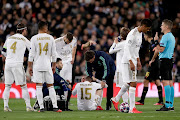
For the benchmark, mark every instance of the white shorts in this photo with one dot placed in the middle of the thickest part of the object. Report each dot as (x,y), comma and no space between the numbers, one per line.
(16,74)
(66,72)
(119,79)
(127,74)
(43,76)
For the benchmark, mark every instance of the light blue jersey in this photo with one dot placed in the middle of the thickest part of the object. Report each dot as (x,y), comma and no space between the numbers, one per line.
(167,41)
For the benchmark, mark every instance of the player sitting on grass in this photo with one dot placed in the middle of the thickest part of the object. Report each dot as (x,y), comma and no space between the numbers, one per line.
(88,94)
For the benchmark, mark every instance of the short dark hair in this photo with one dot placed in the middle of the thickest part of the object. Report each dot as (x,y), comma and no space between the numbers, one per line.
(20,28)
(58,59)
(124,32)
(88,78)
(89,55)
(69,36)
(149,33)
(169,23)
(41,24)
(146,22)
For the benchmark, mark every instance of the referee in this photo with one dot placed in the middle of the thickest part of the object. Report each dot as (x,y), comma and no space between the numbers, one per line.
(167,45)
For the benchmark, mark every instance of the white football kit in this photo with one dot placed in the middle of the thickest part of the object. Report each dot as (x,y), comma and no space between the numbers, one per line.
(64,51)
(86,95)
(119,50)
(131,52)
(42,53)
(15,47)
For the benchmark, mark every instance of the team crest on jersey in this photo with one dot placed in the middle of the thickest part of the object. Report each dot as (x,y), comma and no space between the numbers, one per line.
(71,46)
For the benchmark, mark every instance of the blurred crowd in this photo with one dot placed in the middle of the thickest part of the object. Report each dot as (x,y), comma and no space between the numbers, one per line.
(97,20)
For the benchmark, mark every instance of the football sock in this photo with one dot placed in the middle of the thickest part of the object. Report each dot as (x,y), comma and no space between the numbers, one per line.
(132,91)
(167,90)
(144,94)
(160,93)
(98,100)
(52,95)
(124,88)
(6,95)
(25,95)
(172,96)
(125,97)
(39,96)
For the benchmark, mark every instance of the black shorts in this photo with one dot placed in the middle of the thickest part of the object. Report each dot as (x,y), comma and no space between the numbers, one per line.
(153,72)
(166,66)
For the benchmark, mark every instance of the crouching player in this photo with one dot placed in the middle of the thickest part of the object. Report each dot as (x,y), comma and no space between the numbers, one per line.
(89,94)
(61,87)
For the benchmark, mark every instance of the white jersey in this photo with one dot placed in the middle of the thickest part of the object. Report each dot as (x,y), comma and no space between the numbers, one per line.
(43,50)
(86,94)
(15,47)
(132,46)
(64,51)
(119,50)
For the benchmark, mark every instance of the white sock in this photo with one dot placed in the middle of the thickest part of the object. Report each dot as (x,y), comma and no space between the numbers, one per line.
(132,97)
(39,95)
(25,95)
(6,95)
(124,88)
(65,94)
(52,95)
(98,100)
(125,97)
(101,98)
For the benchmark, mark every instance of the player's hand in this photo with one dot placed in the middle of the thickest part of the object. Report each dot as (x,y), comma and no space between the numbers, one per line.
(30,71)
(116,40)
(72,62)
(150,62)
(69,86)
(91,42)
(83,79)
(94,79)
(132,66)
(156,36)
(139,66)
(103,84)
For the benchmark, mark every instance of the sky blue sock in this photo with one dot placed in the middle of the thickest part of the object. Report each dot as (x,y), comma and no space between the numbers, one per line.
(172,96)
(167,90)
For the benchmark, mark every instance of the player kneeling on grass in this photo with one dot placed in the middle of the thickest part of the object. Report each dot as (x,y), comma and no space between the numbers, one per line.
(61,87)
(89,94)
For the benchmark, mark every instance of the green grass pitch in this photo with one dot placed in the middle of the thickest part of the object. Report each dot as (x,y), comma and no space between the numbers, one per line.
(149,113)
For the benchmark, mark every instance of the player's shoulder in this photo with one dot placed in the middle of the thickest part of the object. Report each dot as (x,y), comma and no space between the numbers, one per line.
(60,39)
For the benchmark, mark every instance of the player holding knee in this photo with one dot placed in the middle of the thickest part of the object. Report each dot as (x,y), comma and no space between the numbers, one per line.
(89,94)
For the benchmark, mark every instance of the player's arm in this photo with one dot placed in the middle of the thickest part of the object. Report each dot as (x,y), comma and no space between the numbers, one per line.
(162,45)
(74,92)
(88,44)
(115,47)
(127,51)
(53,55)
(31,57)
(4,50)
(88,69)
(28,44)
(74,51)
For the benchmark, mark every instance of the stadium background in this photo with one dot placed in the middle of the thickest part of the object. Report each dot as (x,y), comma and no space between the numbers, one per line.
(97,20)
